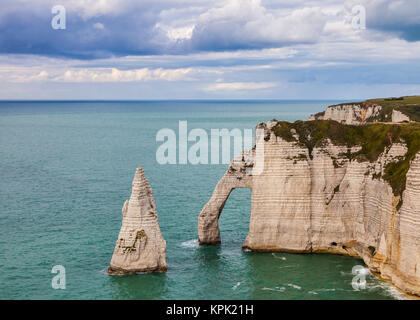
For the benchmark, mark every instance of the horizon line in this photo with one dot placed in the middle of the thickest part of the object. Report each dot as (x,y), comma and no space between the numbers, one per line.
(167,100)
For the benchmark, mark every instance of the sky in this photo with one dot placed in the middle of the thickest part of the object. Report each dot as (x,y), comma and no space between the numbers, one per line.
(203,49)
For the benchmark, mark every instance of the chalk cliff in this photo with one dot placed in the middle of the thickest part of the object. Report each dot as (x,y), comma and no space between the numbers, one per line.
(140,246)
(331,188)
(349,113)
(398,116)
(401,109)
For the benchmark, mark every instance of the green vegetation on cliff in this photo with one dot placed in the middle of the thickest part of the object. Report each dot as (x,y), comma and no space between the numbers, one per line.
(372,138)
(410,106)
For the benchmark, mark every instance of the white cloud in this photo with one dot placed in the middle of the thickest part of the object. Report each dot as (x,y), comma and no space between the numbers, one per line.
(92,8)
(57,73)
(180,33)
(236,86)
(116,75)
(247,24)
(41,76)
(99,26)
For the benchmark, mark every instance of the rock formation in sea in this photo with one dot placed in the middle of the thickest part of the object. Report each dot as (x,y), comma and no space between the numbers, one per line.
(140,246)
(331,188)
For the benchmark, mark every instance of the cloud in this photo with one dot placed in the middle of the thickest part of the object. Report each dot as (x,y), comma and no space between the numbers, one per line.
(106,28)
(115,75)
(95,75)
(99,26)
(237,86)
(206,49)
(38,77)
(246,24)
(94,29)
(399,18)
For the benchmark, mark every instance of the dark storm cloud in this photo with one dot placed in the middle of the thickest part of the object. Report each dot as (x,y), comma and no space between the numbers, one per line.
(101,29)
(397,18)
(132,33)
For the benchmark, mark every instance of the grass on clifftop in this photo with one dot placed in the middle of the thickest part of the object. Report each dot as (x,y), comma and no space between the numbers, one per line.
(410,106)
(373,139)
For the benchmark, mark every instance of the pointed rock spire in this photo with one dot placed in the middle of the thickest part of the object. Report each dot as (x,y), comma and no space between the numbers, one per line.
(140,246)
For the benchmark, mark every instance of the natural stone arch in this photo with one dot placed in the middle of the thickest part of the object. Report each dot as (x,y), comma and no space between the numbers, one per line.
(315,198)
(237,176)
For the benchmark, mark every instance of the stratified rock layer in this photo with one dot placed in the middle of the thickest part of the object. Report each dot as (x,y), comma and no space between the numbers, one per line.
(357,114)
(349,113)
(140,246)
(235,177)
(324,202)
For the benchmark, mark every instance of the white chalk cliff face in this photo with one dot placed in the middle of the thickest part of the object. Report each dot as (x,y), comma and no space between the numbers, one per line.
(356,114)
(140,246)
(324,202)
(348,114)
(398,116)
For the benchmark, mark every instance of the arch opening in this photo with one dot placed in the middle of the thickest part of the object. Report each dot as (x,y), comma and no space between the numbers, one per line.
(208,221)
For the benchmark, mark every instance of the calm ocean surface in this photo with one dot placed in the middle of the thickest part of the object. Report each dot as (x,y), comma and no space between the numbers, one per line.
(66,170)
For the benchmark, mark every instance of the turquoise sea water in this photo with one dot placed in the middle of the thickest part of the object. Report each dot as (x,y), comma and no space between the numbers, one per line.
(66,170)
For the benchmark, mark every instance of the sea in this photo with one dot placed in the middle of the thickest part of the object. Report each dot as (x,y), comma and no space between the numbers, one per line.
(66,170)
